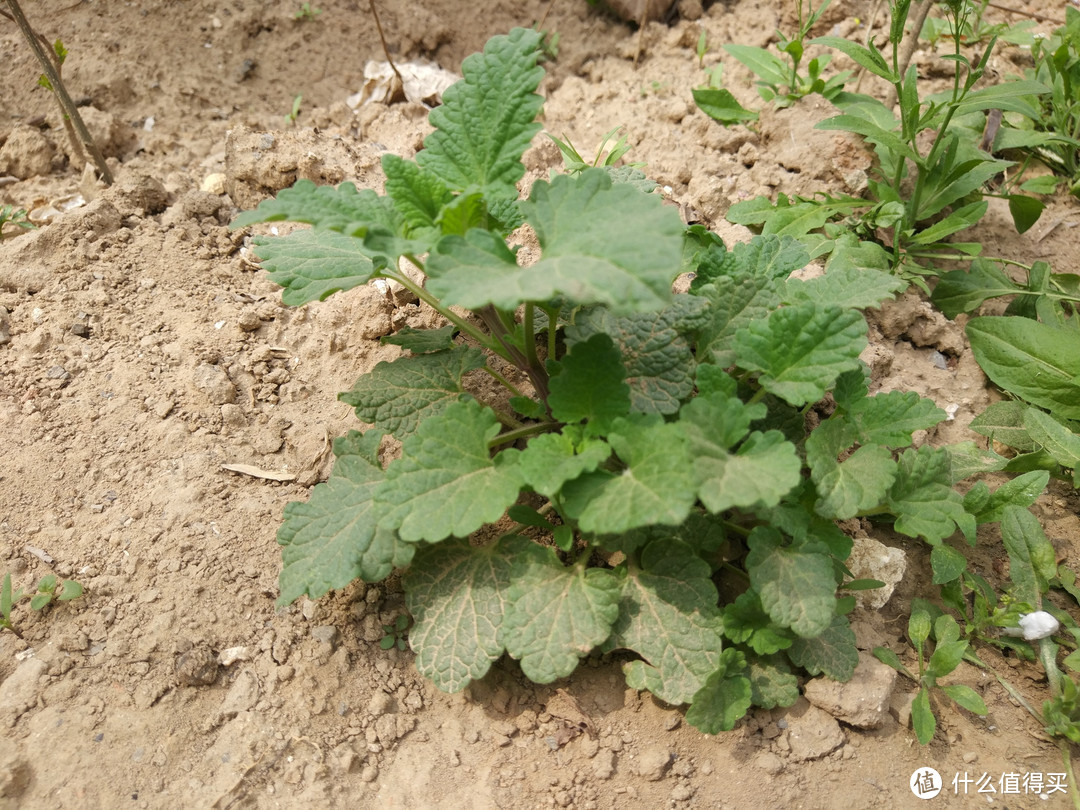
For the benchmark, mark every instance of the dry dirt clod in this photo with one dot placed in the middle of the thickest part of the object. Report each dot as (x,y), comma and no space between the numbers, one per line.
(197,667)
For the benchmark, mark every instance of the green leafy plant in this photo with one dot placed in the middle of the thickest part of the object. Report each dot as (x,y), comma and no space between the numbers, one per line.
(48,589)
(948,652)
(306,13)
(977,29)
(294,113)
(17,217)
(918,197)
(643,448)
(396,634)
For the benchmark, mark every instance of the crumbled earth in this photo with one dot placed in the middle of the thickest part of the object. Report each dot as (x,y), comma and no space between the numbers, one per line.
(141,352)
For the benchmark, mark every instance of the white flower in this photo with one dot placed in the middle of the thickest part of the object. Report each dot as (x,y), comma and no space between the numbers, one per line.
(1039,624)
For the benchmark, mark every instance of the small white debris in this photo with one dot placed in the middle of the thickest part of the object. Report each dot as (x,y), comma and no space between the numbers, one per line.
(1039,624)
(231,655)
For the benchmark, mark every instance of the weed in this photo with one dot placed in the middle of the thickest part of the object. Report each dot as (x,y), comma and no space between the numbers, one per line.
(48,589)
(396,633)
(646,445)
(294,113)
(16,217)
(306,13)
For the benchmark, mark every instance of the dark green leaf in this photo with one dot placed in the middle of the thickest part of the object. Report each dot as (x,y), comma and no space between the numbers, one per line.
(797,588)
(590,384)
(833,653)
(720,105)
(423,341)
(922,717)
(725,697)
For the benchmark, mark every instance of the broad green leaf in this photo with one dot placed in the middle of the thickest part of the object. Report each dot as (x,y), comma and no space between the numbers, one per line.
(462,213)
(1031,360)
(1023,490)
(1004,422)
(1025,211)
(923,500)
(446,482)
(725,697)
(760,472)
(342,209)
(889,658)
(488,119)
(557,615)
(334,537)
(628,265)
(857,484)
(764,64)
(763,257)
(962,218)
(457,595)
(922,717)
(398,396)
(946,657)
(422,341)
(801,349)
(656,487)
(796,588)
(1010,96)
(720,105)
(668,615)
(590,384)
(891,418)
(964,290)
(833,653)
(654,348)
(417,194)
(746,622)
(947,563)
(966,698)
(733,304)
(550,460)
(967,459)
(1032,559)
(772,683)
(312,265)
(1055,438)
(846,286)
(69,589)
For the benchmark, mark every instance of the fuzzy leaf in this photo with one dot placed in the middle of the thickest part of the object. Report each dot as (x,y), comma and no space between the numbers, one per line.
(654,348)
(833,653)
(1032,360)
(342,209)
(947,564)
(422,341)
(1023,490)
(964,290)
(725,697)
(1032,559)
(334,537)
(590,384)
(1055,438)
(668,615)
(557,615)
(772,682)
(488,119)
(446,482)
(746,622)
(857,484)
(457,595)
(802,349)
(796,587)
(550,460)
(923,500)
(966,698)
(628,265)
(398,396)
(418,195)
(657,485)
(1004,422)
(847,286)
(313,265)
(733,304)
(922,717)
(967,459)
(891,418)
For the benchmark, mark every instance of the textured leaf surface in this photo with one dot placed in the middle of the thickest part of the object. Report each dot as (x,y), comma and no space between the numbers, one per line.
(551,460)
(1004,422)
(725,697)
(557,615)
(733,304)
(746,622)
(1034,361)
(446,482)
(802,349)
(627,265)
(668,615)
(654,348)
(342,209)
(856,484)
(334,537)
(590,383)
(772,682)
(1055,438)
(923,500)
(487,120)
(796,587)
(760,472)
(457,595)
(657,485)
(422,341)
(418,195)
(891,418)
(1032,559)
(397,396)
(833,653)
(848,287)
(312,265)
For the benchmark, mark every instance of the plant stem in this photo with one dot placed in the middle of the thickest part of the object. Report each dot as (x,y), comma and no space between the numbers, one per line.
(505,383)
(522,432)
(530,336)
(66,104)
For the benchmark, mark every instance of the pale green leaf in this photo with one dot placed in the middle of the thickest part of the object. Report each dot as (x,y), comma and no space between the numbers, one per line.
(590,384)
(856,484)
(746,622)
(922,717)
(848,287)
(1004,422)
(398,396)
(923,500)
(417,194)
(446,482)
(891,418)
(1055,438)
(1020,491)
(557,615)
(772,682)
(550,460)
(312,265)
(1032,559)
(725,697)
(833,653)
(797,588)
(342,209)
(422,341)
(966,698)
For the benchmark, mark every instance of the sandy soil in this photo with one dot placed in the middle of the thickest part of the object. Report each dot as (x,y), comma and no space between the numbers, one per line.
(140,352)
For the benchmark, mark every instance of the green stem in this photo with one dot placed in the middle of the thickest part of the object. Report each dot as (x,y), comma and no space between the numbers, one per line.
(506,419)
(530,336)
(553,327)
(505,383)
(522,432)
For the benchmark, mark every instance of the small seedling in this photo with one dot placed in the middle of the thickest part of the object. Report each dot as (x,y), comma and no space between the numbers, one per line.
(48,589)
(307,13)
(396,633)
(16,217)
(294,113)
